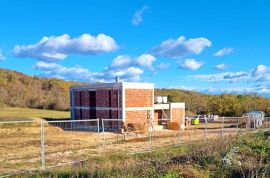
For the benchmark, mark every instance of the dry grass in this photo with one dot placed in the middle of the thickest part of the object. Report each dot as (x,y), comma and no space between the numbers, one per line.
(11,113)
(20,143)
(20,146)
(190,160)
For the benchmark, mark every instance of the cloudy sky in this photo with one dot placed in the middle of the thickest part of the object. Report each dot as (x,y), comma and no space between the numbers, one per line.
(208,46)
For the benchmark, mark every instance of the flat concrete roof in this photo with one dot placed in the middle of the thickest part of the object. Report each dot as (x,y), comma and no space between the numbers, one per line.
(167,106)
(134,85)
(161,106)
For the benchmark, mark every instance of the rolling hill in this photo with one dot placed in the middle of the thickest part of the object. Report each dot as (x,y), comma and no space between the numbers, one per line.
(21,90)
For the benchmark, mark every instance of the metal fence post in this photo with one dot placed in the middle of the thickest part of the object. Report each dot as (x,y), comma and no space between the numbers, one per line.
(151,129)
(150,140)
(42,144)
(179,136)
(222,127)
(103,132)
(98,137)
(150,137)
(237,126)
(205,129)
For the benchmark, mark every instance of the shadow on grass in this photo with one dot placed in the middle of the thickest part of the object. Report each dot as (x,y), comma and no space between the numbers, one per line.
(56,119)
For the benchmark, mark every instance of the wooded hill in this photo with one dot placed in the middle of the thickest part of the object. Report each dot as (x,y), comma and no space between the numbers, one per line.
(223,105)
(20,90)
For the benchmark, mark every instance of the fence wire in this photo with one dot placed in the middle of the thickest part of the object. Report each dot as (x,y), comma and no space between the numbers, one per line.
(67,141)
(37,145)
(19,146)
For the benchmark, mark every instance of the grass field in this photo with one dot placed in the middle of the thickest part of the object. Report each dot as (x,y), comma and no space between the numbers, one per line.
(20,144)
(11,113)
(246,155)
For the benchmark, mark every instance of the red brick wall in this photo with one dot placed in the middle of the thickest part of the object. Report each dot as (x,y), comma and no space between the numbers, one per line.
(177,115)
(114,114)
(77,114)
(77,98)
(102,98)
(98,98)
(106,98)
(138,118)
(84,98)
(109,114)
(120,98)
(85,114)
(92,113)
(92,98)
(114,98)
(139,97)
(105,114)
(157,116)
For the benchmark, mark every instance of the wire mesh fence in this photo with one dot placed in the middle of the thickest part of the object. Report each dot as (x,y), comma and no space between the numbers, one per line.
(19,146)
(71,140)
(34,145)
(112,137)
(266,122)
(120,138)
(164,134)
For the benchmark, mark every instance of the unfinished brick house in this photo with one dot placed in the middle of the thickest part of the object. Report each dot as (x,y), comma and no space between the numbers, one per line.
(131,103)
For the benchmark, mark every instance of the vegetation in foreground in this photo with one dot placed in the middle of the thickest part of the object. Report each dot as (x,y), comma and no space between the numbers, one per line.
(20,90)
(241,156)
(10,113)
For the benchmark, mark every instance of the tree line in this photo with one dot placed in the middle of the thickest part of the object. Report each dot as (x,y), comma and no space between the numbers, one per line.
(20,90)
(223,105)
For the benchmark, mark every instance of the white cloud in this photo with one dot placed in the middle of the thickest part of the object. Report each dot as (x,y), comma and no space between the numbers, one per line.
(224,51)
(124,63)
(138,16)
(261,73)
(191,64)
(163,65)
(56,48)
(126,67)
(220,66)
(79,73)
(144,60)
(256,80)
(180,47)
(224,76)
(2,56)
(67,73)
(128,74)
(121,61)
(261,89)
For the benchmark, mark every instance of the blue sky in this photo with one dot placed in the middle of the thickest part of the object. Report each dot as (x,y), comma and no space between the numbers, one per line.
(208,46)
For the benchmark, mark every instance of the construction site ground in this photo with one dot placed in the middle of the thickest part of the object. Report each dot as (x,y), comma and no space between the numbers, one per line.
(20,144)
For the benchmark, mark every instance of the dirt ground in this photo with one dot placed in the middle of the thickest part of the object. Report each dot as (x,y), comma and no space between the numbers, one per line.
(20,143)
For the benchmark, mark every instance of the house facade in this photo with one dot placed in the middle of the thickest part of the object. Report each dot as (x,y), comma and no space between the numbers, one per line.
(132,103)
